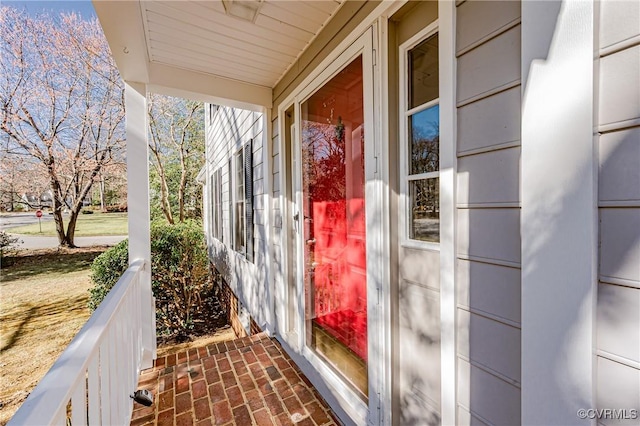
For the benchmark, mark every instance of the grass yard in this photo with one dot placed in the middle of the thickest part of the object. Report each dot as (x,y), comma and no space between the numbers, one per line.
(43,304)
(88,225)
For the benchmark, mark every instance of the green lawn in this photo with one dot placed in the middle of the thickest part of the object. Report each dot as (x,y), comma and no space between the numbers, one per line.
(43,305)
(88,225)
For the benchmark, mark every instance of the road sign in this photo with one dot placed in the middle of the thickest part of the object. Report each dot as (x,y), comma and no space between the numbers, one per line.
(39,215)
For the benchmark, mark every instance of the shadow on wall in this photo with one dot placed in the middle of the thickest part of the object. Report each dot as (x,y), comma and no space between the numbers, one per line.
(248,280)
(554,263)
(618,309)
(618,313)
(549,229)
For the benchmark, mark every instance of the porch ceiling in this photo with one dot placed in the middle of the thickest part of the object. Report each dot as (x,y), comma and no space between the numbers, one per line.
(196,47)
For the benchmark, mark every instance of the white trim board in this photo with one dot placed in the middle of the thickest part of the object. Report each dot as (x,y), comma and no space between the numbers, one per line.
(559,218)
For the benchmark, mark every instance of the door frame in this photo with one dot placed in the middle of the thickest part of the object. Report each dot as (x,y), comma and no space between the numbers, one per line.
(376,214)
(364,46)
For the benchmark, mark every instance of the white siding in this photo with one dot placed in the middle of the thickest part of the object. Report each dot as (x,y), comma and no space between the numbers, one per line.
(490,123)
(618,146)
(488,281)
(229,131)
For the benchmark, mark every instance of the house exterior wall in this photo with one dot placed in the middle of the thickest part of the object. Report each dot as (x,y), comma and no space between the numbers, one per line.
(228,130)
(284,258)
(618,145)
(489,196)
(346,20)
(488,212)
(416,270)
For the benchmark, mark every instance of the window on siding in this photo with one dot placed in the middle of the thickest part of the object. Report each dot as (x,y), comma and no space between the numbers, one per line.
(238,212)
(242,205)
(216,205)
(212,112)
(212,203)
(422,141)
(229,228)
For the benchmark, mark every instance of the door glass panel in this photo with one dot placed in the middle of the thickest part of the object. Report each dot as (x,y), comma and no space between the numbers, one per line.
(334,224)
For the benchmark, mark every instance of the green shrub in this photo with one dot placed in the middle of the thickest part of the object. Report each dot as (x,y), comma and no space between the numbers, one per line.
(180,277)
(87,211)
(186,299)
(106,270)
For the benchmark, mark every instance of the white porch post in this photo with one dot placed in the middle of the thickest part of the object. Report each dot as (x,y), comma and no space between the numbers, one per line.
(138,206)
(559,212)
(448,173)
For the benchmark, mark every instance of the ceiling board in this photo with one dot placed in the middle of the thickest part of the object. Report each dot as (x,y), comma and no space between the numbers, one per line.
(199,36)
(215,50)
(327,6)
(178,55)
(179,20)
(281,12)
(213,68)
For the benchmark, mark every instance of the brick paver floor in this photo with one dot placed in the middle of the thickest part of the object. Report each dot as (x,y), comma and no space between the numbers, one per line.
(247,381)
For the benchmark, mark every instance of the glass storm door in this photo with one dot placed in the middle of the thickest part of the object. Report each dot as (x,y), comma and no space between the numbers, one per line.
(333,225)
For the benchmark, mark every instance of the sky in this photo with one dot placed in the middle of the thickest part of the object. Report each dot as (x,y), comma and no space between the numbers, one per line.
(82,7)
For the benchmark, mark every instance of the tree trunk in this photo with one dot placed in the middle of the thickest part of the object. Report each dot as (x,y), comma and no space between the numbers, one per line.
(11,194)
(71,228)
(182,187)
(103,207)
(57,209)
(164,202)
(164,189)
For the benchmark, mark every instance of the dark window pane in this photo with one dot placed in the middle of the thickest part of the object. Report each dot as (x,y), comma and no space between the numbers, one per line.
(424,141)
(423,72)
(425,210)
(240,226)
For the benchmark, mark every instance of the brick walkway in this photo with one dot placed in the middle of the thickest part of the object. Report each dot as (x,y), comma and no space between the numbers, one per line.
(247,381)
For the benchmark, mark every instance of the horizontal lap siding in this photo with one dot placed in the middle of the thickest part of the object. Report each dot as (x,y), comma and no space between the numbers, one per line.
(488,214)
(276,207)
(618,145)
(227,133)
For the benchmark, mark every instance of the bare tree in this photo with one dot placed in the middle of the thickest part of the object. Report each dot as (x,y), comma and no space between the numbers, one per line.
(20,178)
(62,103)
(176,142)
(112,186)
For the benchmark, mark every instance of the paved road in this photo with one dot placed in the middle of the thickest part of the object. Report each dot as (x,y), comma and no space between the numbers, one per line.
(13,220)
(31,242)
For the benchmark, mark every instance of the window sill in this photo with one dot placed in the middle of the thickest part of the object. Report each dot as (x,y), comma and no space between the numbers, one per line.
(420,245)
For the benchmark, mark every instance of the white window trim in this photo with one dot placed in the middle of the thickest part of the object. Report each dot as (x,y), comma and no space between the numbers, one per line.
(240,250)
(212,206)
(404,113)
(215,203)
(219,204)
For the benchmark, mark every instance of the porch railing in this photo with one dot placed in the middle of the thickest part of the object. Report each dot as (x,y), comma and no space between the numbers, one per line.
(93,379)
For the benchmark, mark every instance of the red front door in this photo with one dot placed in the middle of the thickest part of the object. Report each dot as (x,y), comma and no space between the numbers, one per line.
(334,223)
